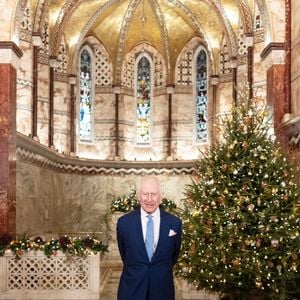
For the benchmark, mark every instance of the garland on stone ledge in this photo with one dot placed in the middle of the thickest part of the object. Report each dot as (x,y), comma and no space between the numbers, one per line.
(73,246)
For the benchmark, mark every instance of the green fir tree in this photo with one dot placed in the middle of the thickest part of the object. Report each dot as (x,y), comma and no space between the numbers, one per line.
(240,223)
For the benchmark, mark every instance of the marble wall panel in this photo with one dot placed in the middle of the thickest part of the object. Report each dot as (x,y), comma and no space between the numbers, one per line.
(182,106)
(295,25)
(49,202)
(277,16)
(43,104)
(242,76)
(61,137)
(295,59)
(24,90)
(7,148)
(259,72)
(104,107)
(295,103)
(127,117)
(6,13)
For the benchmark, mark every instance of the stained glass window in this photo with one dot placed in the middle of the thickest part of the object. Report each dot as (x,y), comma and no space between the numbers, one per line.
(143,94)
(201,98)
(85,124)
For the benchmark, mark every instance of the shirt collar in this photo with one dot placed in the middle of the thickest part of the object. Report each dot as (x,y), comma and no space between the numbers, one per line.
(155,214)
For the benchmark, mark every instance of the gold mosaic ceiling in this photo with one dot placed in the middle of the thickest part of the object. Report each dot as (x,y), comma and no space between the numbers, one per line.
(166,25)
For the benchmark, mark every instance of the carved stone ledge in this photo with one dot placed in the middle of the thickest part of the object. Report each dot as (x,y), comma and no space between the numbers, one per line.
(291,127)
(30,151)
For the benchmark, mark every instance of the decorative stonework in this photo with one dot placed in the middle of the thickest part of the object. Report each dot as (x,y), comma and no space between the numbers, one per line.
(62,77)
(62,58)
(183,89)
(128,72)
(10,53)
(103,89)
(30,151)
(291,128)
(164,34)
(225,77)
(159,74)
(184,67)
(273,54)
(44,49)
(123,32)
(103,66)
(62,18)
(43,58)
(224,59)
(230,32)
(259,36)
(39,13)
(295,42)
(42,277)
(247,16)
(85,30)
(241,42)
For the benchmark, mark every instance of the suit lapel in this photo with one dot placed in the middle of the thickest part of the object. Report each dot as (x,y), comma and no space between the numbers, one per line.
(138,233)
(163,233)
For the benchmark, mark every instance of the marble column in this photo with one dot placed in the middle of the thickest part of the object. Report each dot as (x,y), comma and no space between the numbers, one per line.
(214,82)
(249,42)
(274,59)
(9,56)
(52,64)
(37,42)
(233,65)
(117,91)
(72,82)
(170,91)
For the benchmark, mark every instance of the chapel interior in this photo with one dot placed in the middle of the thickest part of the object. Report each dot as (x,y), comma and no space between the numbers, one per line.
(95,93)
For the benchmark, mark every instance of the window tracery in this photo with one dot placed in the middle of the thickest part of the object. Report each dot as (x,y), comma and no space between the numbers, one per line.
(201,97)
(143,100)
(85,115)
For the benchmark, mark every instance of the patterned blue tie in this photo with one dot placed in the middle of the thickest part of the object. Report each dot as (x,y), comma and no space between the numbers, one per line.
(149,241)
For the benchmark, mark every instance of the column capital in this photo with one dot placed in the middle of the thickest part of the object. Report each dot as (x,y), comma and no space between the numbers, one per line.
(214,79)
(53,63)
(233,62)
(249,40)
(170,88)
(72,79)
(273,54)
(10,53)
(116,89)
(37,39)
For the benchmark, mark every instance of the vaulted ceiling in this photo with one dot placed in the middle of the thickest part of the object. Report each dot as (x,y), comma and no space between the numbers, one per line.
(166,25)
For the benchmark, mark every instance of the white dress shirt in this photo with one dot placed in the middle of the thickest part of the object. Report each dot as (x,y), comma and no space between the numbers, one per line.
(156,223)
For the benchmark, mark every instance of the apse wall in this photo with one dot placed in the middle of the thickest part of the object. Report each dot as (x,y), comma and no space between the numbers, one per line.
(63,195)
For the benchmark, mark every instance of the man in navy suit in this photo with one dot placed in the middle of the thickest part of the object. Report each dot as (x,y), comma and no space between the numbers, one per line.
(148,272)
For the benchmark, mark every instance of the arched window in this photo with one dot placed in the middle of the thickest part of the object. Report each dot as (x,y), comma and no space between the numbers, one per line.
(85,116)
(143,97)
(201,97)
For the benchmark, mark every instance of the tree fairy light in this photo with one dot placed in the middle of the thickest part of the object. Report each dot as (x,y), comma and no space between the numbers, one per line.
(241,212)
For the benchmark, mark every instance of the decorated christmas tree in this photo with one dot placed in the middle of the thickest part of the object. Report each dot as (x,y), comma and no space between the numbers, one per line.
(240,222)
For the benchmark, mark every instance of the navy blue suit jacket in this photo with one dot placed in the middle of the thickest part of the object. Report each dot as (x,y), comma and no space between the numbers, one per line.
(141,279)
